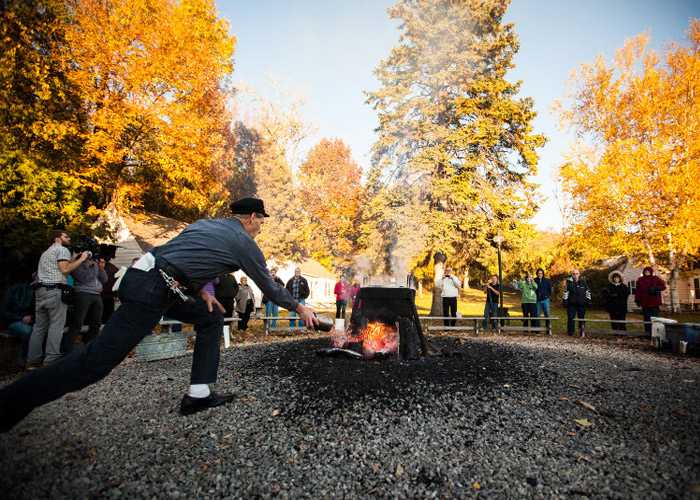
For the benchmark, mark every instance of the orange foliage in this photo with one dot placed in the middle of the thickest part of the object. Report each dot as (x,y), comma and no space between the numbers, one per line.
(150,74)
(331,194)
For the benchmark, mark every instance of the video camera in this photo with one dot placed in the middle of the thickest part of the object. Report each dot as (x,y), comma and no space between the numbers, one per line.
(87,245)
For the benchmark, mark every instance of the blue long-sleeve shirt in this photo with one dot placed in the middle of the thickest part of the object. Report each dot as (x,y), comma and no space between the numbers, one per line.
(544,288)
(209,248)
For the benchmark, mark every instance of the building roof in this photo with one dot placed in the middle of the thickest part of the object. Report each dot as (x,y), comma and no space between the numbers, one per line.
(151,230)
(315,269)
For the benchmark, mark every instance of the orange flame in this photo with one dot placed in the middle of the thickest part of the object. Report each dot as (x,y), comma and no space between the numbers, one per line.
(375,338)
(378,338)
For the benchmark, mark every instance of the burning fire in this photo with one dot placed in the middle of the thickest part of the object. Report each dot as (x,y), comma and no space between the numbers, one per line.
(376,338)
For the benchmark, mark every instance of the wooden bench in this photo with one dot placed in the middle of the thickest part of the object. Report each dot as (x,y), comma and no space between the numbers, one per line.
(170,323)
(609,331)
(280,319)
(474,327)
(547,328)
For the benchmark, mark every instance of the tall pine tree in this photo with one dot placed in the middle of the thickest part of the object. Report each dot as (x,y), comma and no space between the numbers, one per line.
(451,124)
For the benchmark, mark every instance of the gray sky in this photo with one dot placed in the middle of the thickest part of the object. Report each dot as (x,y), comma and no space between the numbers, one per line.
(326,51)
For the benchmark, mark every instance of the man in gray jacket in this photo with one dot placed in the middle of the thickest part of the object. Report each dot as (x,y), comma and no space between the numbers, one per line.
(89,278)
(168,280)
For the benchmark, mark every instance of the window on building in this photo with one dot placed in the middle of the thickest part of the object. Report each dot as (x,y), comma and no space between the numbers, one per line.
(696,285)
(632,285)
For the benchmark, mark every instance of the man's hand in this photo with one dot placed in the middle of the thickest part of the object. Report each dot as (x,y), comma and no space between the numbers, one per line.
(84,256)
(27,319)
(211,301)
(307,316)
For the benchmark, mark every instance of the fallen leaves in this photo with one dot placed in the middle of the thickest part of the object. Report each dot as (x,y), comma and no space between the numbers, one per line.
(399,471)
(583,422)
(586,405)
(476,485)
(276,412)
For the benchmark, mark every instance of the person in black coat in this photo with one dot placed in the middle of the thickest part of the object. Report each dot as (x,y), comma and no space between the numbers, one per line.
(544,294)
(577,296)
(225,291)
(299,288)
(615,297)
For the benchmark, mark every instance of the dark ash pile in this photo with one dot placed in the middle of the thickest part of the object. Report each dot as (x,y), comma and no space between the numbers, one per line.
(498,417)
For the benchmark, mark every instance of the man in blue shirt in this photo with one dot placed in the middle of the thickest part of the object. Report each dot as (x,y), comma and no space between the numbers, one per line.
(168,280)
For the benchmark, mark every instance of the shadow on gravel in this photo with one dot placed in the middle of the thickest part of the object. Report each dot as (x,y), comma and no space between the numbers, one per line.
(458,366)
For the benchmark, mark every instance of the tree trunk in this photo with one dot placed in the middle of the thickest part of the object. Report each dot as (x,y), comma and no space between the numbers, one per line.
(650,253)
(439,261)
(465,282)
(673,281)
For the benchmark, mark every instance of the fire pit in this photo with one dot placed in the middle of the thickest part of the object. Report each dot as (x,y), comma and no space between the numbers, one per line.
(384,323)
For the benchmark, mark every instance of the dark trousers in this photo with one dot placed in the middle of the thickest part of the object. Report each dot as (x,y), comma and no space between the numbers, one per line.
(542,307)
(340,308)
(243,318)
(530,311)
(107,308)
(490,311)
(571,312)
(449,308)
(618,314)
(87,311)
(648,312)
(227,302)
(145,298)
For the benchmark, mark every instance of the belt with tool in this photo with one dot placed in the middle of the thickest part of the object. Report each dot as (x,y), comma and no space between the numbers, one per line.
(174,279)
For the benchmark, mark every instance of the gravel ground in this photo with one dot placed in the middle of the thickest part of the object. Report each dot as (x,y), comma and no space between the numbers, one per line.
(496,418)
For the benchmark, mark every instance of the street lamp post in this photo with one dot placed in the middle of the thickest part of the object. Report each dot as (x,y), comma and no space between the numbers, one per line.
(498,239)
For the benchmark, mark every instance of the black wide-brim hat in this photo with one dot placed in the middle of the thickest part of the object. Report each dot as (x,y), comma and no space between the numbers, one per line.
(246,206)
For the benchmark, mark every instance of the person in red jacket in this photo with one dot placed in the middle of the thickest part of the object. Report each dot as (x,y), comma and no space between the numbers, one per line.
(647,295)
(342,292)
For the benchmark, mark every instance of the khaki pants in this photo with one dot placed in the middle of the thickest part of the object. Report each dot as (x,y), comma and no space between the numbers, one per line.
(50,320)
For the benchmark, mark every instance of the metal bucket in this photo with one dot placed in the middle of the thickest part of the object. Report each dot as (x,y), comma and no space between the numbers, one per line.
(161,346)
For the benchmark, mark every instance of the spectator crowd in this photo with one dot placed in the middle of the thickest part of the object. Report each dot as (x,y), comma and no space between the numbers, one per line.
(72,294)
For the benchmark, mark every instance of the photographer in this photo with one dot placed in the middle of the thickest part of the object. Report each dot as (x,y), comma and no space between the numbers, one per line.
(54,265)
(90,276)
(528,299)
(647,295)
(450,292)
(577,296)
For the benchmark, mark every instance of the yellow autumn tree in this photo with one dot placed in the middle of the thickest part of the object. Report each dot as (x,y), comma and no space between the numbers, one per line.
(150,74)
(632,183)
(331,192)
